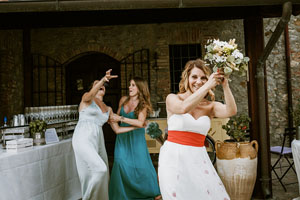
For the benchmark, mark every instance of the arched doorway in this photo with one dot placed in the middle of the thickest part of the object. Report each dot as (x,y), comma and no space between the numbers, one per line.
(80,74)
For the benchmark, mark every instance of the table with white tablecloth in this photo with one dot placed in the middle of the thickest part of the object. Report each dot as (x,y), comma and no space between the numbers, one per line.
(296,157)
(44,172)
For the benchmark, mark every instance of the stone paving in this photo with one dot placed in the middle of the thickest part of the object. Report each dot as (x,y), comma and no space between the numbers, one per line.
(292,189)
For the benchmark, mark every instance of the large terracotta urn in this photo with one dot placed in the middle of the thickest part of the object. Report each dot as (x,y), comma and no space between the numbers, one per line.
(237,166)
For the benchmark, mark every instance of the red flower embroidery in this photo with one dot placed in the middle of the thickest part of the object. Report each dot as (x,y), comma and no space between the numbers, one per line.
(174,194)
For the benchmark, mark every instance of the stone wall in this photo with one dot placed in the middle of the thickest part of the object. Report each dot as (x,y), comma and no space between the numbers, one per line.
(66,44)
(118,41)
(276,76)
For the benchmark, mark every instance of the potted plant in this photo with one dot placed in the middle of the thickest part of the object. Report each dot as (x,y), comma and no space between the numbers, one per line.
(237,127)
(237,159)
(37,130)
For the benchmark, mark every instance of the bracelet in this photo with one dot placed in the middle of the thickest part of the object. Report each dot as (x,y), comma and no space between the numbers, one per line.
(122,119)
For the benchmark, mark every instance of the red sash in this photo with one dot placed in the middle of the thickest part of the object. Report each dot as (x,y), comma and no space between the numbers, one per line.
(186,138)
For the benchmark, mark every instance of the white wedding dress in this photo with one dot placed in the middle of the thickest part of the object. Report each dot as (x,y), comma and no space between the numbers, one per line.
(186,172)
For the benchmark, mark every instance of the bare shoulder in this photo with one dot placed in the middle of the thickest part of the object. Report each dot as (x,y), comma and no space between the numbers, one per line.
(85,97)
(123,98)
(171,96)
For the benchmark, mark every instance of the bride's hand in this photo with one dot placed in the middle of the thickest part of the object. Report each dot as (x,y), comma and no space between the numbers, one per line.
(214,80)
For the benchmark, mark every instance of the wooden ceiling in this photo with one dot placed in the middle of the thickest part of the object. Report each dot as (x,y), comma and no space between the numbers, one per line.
(57,13)
(89,5)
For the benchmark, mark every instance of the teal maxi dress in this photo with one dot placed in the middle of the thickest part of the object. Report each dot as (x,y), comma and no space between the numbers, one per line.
(133,175)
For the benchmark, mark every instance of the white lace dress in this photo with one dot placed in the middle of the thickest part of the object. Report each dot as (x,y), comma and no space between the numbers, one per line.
(186,172)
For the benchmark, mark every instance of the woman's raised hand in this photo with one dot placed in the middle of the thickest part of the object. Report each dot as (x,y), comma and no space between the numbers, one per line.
(214,79)
(108,76)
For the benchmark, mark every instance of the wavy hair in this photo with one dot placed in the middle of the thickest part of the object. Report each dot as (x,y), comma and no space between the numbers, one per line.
(143,96)
(184,82)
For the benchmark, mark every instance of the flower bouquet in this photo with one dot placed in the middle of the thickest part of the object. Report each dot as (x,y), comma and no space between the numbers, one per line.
(225,57)
(152,129)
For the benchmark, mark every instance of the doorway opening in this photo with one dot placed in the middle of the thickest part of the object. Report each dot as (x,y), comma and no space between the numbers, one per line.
(81,73)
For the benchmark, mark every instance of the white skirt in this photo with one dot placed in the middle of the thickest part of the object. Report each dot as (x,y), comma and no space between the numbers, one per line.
(186,173)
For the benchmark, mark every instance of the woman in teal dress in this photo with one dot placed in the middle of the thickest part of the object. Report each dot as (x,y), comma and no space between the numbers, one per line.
(133,175)
(88,142)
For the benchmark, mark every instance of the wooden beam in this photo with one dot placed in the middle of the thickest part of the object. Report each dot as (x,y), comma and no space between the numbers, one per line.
(14,6)
(254,43)
(140,16)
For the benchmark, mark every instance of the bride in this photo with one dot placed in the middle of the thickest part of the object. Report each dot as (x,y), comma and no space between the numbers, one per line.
(185,170)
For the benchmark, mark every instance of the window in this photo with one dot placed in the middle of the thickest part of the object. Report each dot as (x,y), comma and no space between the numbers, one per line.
(179,55)
(47,77)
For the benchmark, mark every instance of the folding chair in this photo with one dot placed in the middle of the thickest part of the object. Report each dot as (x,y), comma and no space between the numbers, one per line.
(283,152)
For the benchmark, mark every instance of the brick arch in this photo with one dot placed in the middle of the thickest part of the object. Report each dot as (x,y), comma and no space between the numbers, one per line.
(72,54)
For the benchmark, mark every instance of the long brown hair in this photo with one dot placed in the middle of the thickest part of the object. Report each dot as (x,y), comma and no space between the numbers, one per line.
(143,96)
(184,82)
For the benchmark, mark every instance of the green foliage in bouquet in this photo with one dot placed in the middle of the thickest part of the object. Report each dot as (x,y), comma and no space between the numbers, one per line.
(37,126)
(237,127)
(296,114)
(226,57)
(153,130)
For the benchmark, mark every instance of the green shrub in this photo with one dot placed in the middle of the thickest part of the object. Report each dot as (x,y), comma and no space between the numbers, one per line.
(237,127)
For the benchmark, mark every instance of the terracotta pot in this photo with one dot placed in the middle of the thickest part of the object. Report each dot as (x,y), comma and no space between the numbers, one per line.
(247,150)
(237,166)
(226,150)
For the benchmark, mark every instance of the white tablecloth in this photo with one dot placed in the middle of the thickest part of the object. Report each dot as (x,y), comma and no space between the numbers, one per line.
(296,157)
(45,172)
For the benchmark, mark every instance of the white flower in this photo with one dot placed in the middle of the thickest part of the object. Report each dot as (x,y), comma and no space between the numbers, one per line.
(217,58)
(237,54)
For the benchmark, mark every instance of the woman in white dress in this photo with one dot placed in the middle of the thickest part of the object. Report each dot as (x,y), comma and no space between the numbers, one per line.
(185,170)
(88,142)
